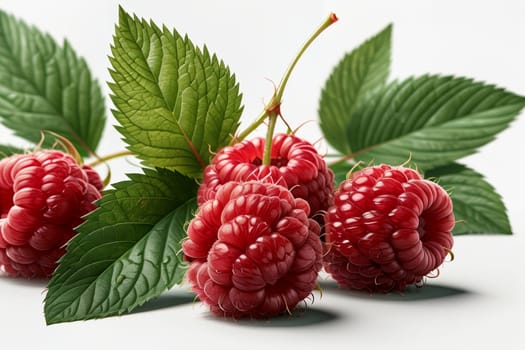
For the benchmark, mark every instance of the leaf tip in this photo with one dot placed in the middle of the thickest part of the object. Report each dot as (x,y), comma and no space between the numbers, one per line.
(121,10)
(49,318)
(50,321)
(122,14)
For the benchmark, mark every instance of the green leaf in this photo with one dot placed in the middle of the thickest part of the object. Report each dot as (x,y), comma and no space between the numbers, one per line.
(127,252)
(340,170)
(44,86)
(432,119)
(7,150)
(175,103)
(477,206)
(355,77)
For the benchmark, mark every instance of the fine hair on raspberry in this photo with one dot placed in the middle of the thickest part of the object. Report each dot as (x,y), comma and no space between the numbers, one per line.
(388,228)
(295,164)
(43,197)
(253,251)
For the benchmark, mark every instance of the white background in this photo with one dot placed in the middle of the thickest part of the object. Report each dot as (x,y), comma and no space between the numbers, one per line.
(477,302)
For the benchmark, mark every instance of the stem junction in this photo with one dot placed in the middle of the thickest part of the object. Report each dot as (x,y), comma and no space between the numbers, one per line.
(272,110)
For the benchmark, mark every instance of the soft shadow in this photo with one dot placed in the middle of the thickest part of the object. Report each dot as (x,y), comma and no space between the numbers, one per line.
(411,293)
(299,318)
(165,301)
(40,283)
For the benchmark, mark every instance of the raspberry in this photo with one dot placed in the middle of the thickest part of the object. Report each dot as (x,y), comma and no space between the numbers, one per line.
(295,164)
(388,228)
(43,196)
(253,251)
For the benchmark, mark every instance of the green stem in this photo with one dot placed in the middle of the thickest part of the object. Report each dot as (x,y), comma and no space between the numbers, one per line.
(260,119)
(274,105)
(267,155)
(351,156)
(108,157)
(332,18)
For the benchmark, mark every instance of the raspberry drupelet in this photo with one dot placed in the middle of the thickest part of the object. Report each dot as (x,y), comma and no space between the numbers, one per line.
(43,197)
(295,164)
(253,251)
(388,228)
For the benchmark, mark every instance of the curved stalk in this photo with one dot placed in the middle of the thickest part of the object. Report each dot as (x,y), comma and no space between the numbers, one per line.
(273,106)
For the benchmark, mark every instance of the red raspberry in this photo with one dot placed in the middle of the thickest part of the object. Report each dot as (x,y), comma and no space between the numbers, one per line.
(388,228)
(43,196)
(253,251)
(295,164)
